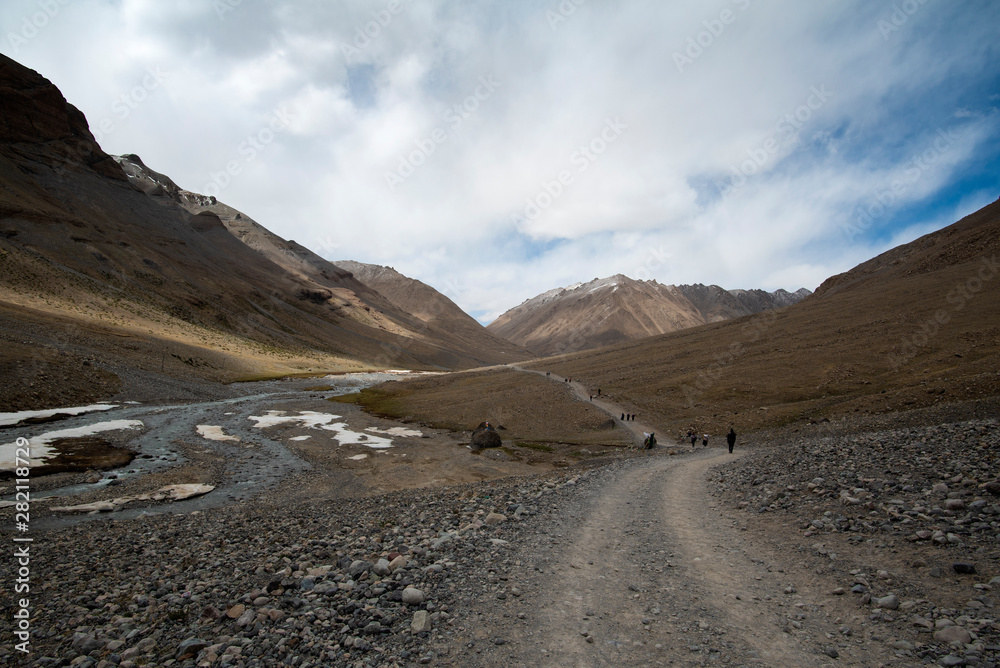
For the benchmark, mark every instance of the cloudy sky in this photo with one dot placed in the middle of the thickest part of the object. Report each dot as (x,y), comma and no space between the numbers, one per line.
(498,149)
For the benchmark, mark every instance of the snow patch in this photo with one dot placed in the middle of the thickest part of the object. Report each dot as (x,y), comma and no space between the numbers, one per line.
(8,419)
(40,446)
(314,420)
(402,432)
(214,433)
(300,438)
(358,458)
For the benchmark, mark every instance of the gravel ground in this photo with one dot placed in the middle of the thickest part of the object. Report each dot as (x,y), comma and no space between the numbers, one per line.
(461,575)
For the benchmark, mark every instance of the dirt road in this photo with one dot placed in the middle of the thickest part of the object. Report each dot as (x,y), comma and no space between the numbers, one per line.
(645,569)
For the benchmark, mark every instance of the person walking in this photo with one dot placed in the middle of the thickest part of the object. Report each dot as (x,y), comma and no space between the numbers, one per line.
(704,440)
(731,439)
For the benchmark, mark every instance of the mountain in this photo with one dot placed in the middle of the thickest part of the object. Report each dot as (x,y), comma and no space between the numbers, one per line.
(617,309)
(111,274)
(437,311)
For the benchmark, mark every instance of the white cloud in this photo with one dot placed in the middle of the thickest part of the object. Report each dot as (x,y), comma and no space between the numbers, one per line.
(810,107)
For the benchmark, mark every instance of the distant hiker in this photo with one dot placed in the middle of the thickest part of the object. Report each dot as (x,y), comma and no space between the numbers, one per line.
(731,439)
(623,417)
(633,417)
(649,442)
(598,391)
(704,440)
(694,438)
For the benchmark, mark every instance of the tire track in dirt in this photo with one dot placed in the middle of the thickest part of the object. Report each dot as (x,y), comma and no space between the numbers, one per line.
(653,576)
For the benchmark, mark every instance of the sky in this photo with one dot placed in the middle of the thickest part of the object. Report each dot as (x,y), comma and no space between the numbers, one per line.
(498,149)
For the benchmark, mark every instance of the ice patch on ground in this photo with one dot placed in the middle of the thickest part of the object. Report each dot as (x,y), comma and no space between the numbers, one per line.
(314,420)
(305,418)
(358,457)
(300,438)
(40,446)
(167,493)
(396,431)
(7,419)
(214,433)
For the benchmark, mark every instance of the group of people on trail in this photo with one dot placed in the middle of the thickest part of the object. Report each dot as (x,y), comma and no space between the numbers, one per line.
(730,438)
(628,417)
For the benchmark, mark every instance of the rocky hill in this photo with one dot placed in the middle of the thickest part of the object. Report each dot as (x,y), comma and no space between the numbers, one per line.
(618,309)
(110,270)
(431,307)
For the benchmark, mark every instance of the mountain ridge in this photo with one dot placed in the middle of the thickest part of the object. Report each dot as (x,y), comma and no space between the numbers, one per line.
(617,308)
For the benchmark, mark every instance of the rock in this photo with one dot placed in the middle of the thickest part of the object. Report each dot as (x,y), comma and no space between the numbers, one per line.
(397,563)
(485,437)
(381,568)
(421,622)
(936,572)
(85,643)
(993,488)
(832,652)
(951,660)
(954,504)
(940,488)
(191,646)
(950,634)
(358,567)
(493,519)
(413,596)
(890,602)
(248,617)
(963,568)
(904,645)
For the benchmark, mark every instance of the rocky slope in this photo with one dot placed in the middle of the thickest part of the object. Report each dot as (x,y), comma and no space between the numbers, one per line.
(618,309)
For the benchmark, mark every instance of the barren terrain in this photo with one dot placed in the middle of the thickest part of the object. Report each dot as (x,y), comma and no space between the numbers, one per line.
(526,556)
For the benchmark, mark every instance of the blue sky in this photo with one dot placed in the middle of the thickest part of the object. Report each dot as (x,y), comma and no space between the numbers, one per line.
(496,150)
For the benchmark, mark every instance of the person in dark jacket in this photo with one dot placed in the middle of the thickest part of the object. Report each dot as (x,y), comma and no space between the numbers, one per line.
(731,439)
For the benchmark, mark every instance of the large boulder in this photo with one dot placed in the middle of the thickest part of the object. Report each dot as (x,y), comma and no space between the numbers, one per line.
(484,436)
